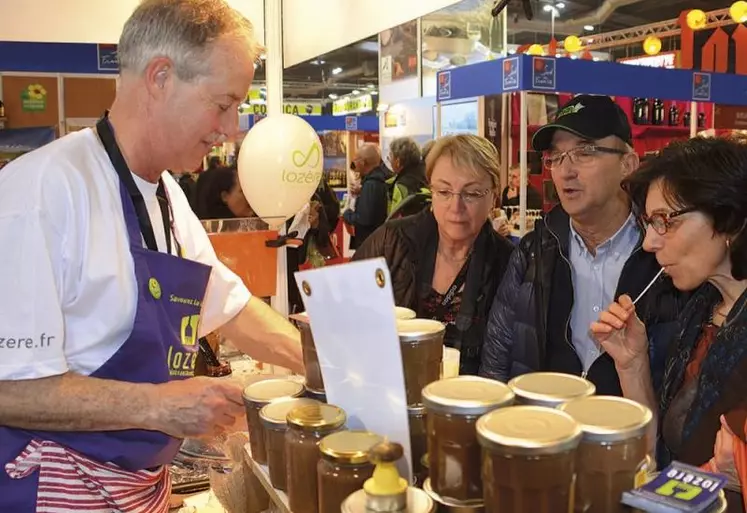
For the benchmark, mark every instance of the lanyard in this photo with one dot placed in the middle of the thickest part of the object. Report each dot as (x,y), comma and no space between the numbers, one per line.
(106,134)
(453,290)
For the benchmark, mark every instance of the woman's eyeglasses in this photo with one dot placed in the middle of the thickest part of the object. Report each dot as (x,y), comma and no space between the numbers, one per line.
(579,155)
(660,222)
(444,195)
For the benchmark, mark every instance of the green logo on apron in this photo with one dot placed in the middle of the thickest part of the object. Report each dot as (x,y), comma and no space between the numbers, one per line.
(155,288)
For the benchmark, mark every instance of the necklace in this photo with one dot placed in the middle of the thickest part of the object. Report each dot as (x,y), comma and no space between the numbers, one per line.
(452,259)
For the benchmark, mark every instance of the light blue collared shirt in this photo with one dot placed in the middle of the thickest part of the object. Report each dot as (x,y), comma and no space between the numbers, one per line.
(595,280)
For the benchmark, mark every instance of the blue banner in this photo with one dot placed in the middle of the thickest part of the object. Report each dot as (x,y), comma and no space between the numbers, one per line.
(547,74)
(58,58)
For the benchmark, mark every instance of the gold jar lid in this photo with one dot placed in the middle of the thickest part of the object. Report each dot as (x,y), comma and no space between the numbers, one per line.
(416,410)
(466,395)
(528,430)
(551,388)
(275,414)
(419,330)
(268,390)
(608,418)
(400,312)
(349,447)
(316,417)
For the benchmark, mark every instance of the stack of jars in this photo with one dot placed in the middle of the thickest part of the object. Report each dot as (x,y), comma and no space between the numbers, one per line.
(543,443)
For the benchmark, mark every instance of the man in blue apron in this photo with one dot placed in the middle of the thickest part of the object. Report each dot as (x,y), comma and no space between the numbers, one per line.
(108,278)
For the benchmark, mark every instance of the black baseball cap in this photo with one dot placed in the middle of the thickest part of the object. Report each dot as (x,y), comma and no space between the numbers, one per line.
(588,116)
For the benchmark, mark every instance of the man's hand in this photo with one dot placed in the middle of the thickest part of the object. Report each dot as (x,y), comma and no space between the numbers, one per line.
(195,407)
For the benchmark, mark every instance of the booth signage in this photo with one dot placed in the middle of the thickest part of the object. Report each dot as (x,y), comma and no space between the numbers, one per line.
(297,109)
(34,98)
(108,59)
(720,50)
(728,117)
(351,123)
(662,60)
(702,86)
(444,85)
(352,105)
(543,73)
(511,73)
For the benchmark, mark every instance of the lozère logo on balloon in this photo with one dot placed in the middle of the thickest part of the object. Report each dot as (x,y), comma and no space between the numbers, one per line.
(306,166)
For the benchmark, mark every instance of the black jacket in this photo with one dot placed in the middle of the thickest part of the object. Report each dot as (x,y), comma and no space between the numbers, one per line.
(529,325)
(409,246)
(370,208)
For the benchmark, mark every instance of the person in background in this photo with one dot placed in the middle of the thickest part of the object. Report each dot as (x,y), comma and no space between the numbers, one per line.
(510,196)
(692,201)
(324,215)
(371,205)
(446,262)
(420,199)
(223,197)
(408,166)
(112,279)
(581,256)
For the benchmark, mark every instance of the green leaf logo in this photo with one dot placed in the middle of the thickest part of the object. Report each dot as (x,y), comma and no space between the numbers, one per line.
(310,159)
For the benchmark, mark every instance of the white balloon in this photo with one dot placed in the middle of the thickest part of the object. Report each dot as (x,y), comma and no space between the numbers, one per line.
(280,165)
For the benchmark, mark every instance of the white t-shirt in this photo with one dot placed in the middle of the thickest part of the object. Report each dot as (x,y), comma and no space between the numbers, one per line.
(67,280)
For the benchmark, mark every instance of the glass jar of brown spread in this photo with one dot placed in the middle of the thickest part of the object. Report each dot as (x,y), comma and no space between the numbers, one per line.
(343,467)
(422,344)
(314,380)
(528,460)
(550,389)
(307,425)
(418,441)
(275,423)
(257,395)
(453,406)
(612,452)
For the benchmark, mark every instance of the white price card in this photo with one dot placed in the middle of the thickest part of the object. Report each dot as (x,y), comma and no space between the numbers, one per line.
(352,316)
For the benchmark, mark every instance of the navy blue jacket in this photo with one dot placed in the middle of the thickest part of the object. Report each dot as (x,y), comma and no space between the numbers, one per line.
(529,325)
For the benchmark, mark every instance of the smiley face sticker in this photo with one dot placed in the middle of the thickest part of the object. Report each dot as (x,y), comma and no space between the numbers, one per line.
(154,288)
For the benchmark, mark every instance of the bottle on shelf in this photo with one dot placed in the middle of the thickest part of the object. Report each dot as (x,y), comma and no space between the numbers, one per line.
(686,119)
(701,120)
(646,107)
(657,117)
(674,115)
(2,109)
(637,110)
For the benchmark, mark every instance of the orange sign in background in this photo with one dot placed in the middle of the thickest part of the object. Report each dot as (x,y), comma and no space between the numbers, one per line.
(721,50)
(246,254)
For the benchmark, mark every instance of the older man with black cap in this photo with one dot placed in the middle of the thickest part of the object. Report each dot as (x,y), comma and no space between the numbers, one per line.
(580,257)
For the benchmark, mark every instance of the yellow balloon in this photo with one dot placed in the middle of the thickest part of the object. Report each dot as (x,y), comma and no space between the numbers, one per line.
(572,44)
(696,19)
(738,11)
(536,49)
(652,45)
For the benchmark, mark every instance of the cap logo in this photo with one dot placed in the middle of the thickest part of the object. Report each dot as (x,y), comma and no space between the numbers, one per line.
(572,109)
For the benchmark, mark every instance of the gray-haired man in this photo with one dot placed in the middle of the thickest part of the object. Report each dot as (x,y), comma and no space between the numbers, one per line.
(111,279)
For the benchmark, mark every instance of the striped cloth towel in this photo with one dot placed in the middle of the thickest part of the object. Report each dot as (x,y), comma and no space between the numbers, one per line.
(68,481)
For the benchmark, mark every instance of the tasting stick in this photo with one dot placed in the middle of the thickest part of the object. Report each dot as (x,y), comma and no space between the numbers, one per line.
(648,286)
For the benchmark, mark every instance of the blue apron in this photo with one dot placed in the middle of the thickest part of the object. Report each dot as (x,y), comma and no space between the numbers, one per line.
(162,346)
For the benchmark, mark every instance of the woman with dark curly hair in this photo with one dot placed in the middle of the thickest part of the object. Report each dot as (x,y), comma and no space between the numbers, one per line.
(694,196)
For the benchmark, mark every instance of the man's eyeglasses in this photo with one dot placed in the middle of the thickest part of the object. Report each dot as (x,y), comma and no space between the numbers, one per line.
(579,155)
(444,195)
(660,222)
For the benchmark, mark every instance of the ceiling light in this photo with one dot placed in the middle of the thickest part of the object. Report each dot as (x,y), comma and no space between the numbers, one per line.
(547,8)
(589,27)
(560,5)
(374,93)
(370,86)
(355,91)
(590,40)
(333,96)
(337,71)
